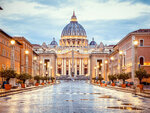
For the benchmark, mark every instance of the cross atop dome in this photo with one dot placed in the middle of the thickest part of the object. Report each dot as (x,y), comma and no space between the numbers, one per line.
(73,18)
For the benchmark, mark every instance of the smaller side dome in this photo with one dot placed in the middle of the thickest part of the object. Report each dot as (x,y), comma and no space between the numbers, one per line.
(53,43)
(93,43)
(44,45)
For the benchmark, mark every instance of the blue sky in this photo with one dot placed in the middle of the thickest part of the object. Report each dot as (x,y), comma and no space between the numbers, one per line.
(108,21)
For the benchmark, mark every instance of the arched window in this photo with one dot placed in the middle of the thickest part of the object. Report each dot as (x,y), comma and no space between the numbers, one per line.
(141,60)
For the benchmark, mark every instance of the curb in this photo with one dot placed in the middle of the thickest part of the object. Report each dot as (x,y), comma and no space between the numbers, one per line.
(21,90)
(128,90)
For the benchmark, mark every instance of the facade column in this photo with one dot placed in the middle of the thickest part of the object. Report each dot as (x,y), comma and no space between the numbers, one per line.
(56,67)
(80,68)
(64,66)
(133,59)
(89,67)
(75,67)
(69,68)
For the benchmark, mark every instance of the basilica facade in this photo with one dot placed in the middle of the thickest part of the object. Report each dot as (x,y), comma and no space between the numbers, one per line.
(74,56)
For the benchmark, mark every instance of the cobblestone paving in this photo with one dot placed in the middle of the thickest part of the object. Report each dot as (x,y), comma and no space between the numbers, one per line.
(74,97)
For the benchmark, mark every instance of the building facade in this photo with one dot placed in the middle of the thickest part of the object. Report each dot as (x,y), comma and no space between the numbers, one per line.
(75,56)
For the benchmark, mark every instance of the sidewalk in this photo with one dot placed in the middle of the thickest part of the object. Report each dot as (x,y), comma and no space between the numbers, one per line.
(4,92)
(144,93)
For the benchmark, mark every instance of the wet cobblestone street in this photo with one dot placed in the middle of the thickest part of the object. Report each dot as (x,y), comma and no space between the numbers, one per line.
(74,97)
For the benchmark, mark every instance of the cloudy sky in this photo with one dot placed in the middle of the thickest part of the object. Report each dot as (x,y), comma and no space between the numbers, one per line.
(105,20)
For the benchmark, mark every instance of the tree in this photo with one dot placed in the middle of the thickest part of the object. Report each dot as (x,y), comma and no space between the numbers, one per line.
(43,78)
(94,79)
(24,77)
(112,77)
(52,78)
(37,78)
(7,74)
(100,78)
(123,76)
(140,74)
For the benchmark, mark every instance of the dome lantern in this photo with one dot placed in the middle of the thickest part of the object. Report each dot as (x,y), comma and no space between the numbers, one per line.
(74,18)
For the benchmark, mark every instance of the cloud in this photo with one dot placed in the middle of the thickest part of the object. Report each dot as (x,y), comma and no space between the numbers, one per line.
(86,9)
(103,19)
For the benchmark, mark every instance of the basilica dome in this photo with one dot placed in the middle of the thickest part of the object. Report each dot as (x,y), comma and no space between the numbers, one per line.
(73,28)
(73,34)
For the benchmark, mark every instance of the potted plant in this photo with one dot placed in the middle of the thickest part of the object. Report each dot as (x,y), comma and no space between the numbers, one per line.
(100,78)
(7,74)
(37,78)
(112,78)
(48,78)
(52,79)
(23,77)
(94,79)
(123,77)
(140,74)
(43,78)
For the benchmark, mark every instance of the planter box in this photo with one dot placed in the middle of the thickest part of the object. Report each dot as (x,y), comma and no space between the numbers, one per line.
(42,83)
(22,85)
(113,84)
(123,85)
(7,86)
(36,84)
(140,86)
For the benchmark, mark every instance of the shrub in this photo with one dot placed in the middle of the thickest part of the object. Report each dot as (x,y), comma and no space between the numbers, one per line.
(37,77)
(112,77)
(7,74)
(140,74)
(24,77)
(123,76)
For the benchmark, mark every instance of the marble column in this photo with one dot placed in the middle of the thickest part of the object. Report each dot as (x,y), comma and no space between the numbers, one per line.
(64,66)
(69,68)
(80,68)
(75,67)
(89,67)
(56,66)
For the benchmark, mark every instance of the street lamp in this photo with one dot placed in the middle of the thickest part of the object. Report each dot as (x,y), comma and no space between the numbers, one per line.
(26,53)
(95,70)
(135,44)
(120,53)
(35,58)
(40,67)
(112,59)
(12,42)
(51,70)
(106,62)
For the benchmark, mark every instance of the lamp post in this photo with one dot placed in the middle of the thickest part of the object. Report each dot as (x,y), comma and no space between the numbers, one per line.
(120,53)
(40,67)
(95,72)
(135,44)
(51,72)
(34,66)
(12,42)
(26,53)
(106,62)
(112,59)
